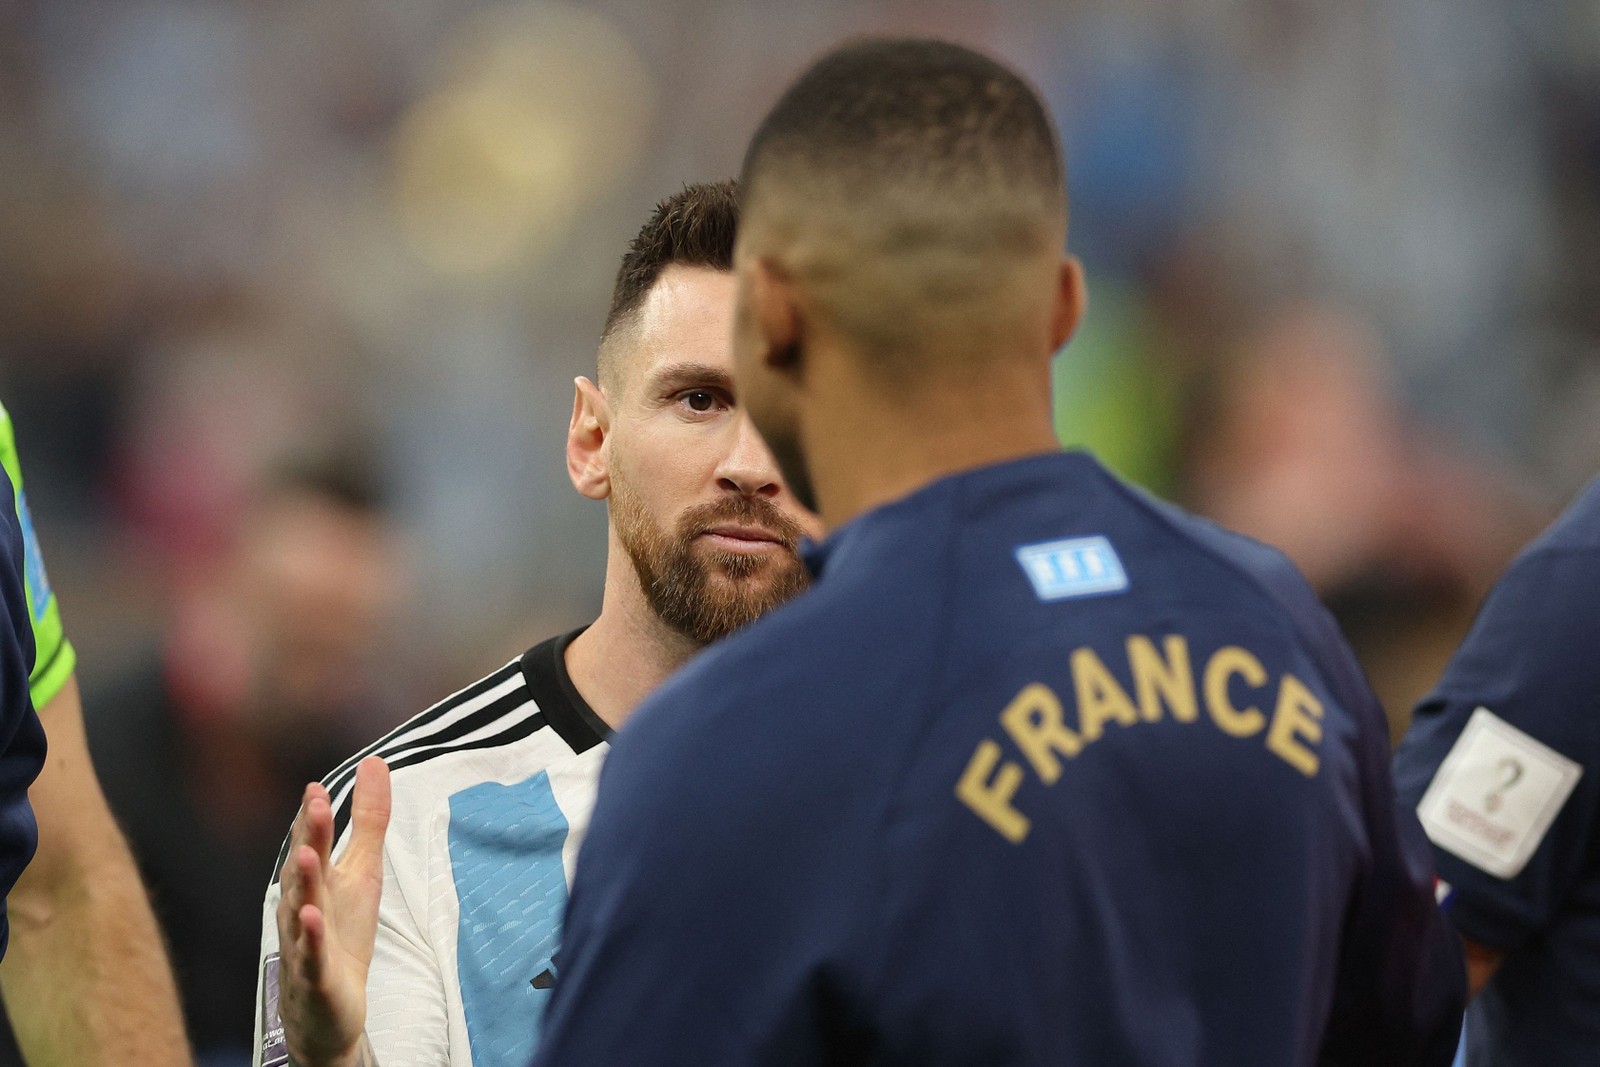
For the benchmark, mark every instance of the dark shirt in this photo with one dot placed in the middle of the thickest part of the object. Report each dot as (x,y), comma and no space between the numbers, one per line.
(1042,771)
(1503,761)
(22,743)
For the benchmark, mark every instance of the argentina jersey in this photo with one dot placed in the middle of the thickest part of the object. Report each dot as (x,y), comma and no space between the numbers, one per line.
(492,790)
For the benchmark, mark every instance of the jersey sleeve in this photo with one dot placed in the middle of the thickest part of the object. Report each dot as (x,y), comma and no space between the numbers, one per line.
(268,1047)
(22,744)
(1501,758)
(54,658)
(407,1020)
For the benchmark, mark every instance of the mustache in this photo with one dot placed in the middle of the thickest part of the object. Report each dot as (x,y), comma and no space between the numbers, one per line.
(745,511)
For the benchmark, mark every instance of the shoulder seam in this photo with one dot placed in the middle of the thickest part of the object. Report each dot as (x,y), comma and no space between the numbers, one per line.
(397,736)
(409,737)
(1255,580)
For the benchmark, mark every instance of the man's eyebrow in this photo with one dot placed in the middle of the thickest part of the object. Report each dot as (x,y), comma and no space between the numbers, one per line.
(687,373)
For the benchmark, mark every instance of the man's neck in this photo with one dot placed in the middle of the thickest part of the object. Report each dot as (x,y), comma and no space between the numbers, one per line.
(868,444)
(628,651)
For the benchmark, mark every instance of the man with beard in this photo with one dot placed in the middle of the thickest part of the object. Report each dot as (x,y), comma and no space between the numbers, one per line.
(435,943)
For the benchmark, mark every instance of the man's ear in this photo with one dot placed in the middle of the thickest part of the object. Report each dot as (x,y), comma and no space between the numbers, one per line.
(1071,301)
(588,465)
(778,318)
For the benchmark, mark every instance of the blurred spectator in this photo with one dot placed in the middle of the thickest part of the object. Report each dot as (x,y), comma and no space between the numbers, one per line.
(267,676)
(1301,446)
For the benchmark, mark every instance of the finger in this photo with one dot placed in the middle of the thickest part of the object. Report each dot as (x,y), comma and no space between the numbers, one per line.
(313,881)
(289,877)
(369,817)
(313,943)
(319,820)
(288,913)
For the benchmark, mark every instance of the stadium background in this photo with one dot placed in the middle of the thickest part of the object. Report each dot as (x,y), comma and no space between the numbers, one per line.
(1343,261)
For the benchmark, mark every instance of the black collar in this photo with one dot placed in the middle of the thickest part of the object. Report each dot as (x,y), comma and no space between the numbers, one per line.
(544,666)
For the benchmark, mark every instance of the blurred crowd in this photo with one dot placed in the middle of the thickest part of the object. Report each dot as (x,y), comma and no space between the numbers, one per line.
(292,293)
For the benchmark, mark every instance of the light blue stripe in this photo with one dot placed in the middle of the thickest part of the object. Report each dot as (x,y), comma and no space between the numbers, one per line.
(505,857)
(38,581)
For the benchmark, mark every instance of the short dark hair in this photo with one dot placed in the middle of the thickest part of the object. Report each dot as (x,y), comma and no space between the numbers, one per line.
(905,183)
(911,108)
(694,227)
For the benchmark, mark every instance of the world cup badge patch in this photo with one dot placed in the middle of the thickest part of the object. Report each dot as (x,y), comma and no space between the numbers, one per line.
(1496,795)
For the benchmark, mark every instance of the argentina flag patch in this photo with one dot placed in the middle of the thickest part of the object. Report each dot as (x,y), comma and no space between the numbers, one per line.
(1075,567)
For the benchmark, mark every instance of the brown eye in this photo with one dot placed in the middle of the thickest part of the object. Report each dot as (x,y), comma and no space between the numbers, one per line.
(700,400)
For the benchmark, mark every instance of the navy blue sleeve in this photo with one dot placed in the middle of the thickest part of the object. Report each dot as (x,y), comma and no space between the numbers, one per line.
(703,930)
(1402,983)
(21,735)
(1530,660)
(1402,987)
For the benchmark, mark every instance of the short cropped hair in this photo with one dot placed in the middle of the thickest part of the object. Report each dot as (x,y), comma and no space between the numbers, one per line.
(904,176)
(694,227)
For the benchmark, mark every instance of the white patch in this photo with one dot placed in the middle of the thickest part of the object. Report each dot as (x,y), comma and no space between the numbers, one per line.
(1495,795)
(1079,566)
(1442,892)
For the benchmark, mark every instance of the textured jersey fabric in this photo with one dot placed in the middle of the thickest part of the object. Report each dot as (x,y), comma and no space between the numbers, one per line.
(1041,771)
(492,790)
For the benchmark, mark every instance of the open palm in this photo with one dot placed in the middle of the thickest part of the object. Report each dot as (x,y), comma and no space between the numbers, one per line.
(328,921)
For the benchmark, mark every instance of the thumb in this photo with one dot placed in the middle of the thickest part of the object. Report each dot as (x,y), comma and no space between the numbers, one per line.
(369,814)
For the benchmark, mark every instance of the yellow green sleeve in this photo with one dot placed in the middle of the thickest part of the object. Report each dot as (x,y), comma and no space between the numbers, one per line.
(54,658)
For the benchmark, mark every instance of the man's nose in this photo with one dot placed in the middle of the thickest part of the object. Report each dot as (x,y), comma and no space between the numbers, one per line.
(748,468)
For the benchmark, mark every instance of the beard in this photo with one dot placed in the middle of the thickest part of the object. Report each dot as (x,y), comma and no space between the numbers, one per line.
(699,591)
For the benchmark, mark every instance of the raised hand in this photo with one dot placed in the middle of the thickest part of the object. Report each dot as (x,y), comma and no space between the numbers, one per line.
(327,923)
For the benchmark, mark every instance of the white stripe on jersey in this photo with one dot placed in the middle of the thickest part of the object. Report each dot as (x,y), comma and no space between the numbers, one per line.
(435,723)
(419,738)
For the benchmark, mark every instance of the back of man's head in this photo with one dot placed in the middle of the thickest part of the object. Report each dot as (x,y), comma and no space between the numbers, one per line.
(909,187)
(693,227)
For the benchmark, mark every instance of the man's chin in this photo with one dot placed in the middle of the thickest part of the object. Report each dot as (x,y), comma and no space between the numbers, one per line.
(764,580)
(744,577)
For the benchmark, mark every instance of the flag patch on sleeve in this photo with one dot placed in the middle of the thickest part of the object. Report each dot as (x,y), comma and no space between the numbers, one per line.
(1075,567)
(1496,795)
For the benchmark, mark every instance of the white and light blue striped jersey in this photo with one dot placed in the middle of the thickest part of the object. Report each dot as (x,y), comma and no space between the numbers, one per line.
(492,790)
